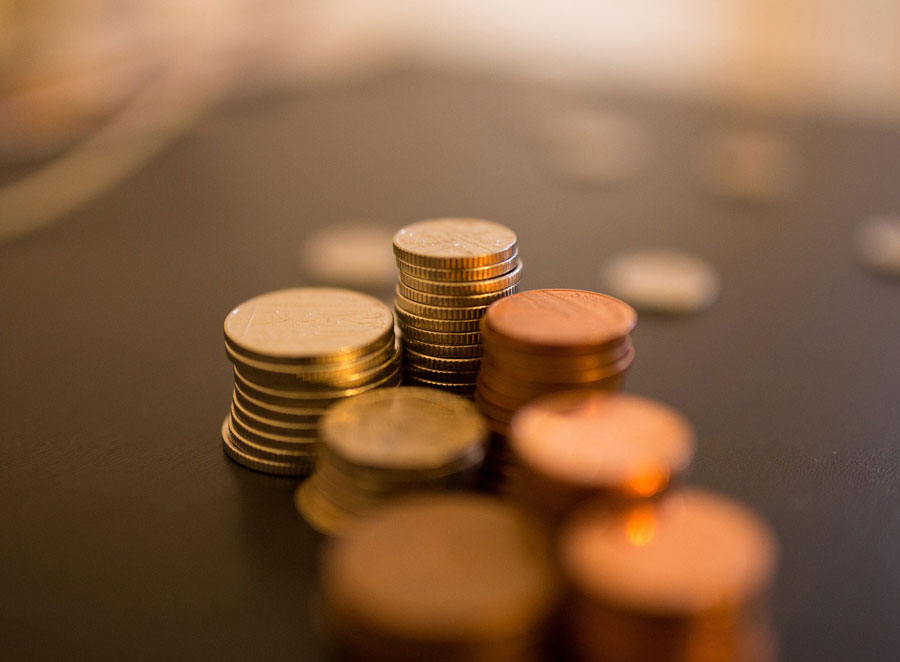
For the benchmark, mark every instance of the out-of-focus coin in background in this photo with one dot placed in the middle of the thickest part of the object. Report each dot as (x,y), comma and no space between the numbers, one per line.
(661,280)
(356,254)
(878,244)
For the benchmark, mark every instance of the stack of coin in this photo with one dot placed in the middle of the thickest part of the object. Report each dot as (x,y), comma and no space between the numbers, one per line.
(451,269)
(687,578)
(573,445)
(544,341)
(295,352)
(385,443)
(459,578)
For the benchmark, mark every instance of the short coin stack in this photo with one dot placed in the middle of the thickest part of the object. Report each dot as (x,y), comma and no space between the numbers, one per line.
(574,445)
(688,578)
(451,269)
(544,341)
(295,352)
(386,443)
(440,578)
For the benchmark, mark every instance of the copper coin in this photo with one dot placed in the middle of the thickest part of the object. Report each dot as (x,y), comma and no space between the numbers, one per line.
(526,373)
(692,552)
(488,573)
(562,320)
(612,441)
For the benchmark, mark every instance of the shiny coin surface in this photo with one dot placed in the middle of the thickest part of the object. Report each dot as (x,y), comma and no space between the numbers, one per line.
(693,552)
(310,325)
(439,312)
(465,390)
(411,357)
(463,288)
(610,441)
(443,351)
(661,281)
(449,243)
(409,332)
(440,326)
(490,577)
(560,319)
(406,427)
(878,244)
(295,467)
(453,301)
(460,275)
(441,376)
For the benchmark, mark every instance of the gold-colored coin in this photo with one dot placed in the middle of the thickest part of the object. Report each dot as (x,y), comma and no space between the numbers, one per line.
(444,351)
(439,363)
(463,288)
(320,372)
(288,440)
(404,428)
(438,312)
(441,326)
(309,325)
(299,467)
(441,376)
(454,301)
(450,243)
(321,513)
(411,333)
(271,425)
(465,390)
(459,275)
(253,409)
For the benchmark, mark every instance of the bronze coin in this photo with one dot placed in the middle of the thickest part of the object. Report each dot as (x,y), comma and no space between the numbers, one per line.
(562,320)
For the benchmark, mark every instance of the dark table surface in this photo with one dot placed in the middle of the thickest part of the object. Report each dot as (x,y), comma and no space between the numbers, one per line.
(127,533)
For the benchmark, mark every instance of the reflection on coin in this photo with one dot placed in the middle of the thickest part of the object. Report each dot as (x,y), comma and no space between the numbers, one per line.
(405,427)
(661,281)
(599,146)
(310,324)
(878,244)
(448,243)
(354,254)
(749,165)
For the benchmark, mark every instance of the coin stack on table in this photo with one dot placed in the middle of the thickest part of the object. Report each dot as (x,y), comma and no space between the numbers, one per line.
(544,341)
(387,443)
(295,352)
(440,578)
(451,269)
(687,578)
(574,445)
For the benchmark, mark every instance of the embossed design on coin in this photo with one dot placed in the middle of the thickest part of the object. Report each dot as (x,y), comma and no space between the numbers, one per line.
(318,322)
(454,242)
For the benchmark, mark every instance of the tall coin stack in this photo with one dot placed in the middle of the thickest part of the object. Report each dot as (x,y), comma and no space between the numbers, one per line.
(544,341)
(688,579)
(295,353)
(385,443)
(451,270)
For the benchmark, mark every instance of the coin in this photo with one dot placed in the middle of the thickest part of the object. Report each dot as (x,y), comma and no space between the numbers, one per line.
(310,325)
(456,300)
(444,351)
(319,371)
(296,467)
(460,275)
(451,243)
(577,443)
(441,376)
(439,363)
(662,281)
(878,244)
(268,424)
(441,326)
(438,337)
(560,319)
(489,572)
(463,288)
(438,312)
(297,398)
(459,389)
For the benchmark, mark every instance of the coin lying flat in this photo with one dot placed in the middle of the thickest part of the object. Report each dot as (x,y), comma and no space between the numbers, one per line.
(451,276)
(449,243)
(661,281)
(356,254)
(878,244)
(310,325)
(465,287)
(490,577)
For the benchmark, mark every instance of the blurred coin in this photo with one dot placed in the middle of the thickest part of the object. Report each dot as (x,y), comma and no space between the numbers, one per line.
(661,281)
(355,254)
(411,357)
(441,376)
(878,244)
(450,243)
(458,389)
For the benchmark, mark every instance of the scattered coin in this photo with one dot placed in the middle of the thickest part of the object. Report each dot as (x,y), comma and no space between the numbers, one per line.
(661,281)
(295,352)
(443,577)
(878,244)
(386,443)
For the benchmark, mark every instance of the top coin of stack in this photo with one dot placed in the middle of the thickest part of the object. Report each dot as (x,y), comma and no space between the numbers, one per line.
(544,341)
(389,442)
(440,578)
(576,444)
(688,578)
(451,270)
(295,352)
